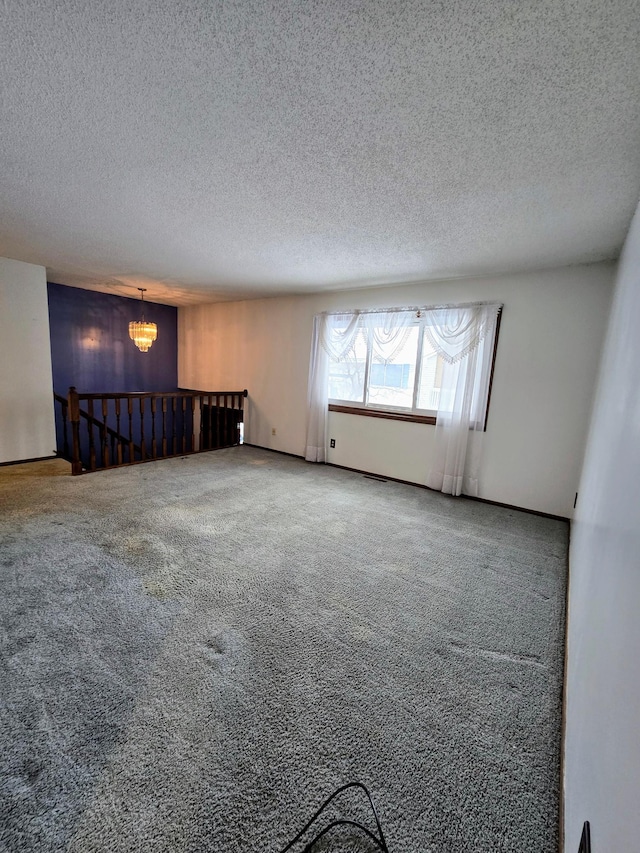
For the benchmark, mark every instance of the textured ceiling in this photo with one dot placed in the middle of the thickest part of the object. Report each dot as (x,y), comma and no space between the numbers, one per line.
(215,150)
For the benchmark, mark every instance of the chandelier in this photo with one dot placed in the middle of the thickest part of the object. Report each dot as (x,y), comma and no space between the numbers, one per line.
(143,334)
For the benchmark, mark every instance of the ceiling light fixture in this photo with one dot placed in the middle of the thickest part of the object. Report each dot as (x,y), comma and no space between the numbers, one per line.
(143,334)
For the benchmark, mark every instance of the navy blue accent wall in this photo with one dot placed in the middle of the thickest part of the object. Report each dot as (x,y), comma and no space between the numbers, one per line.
(91,348)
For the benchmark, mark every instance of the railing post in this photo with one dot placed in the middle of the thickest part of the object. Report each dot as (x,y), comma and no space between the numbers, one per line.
(154,453)
(164,426)
(244,396)
(65,431)
(92,446)
(210,424)
(174,442)
(184,423)
(120,441)
(74,419)
(193,423)
(104,434)
(143,446)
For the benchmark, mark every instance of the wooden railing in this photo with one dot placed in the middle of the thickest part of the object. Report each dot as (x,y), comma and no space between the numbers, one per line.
(97,431)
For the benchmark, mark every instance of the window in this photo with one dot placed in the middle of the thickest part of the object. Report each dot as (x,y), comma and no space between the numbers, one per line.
(391,368)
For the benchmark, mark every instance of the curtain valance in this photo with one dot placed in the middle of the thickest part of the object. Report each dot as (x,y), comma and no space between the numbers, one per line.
(452,330)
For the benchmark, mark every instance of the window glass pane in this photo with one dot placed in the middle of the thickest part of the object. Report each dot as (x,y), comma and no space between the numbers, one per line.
(391,380)
(429,389)
(346,377)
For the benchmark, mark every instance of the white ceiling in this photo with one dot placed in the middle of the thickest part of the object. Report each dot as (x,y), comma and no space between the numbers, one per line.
(215,150)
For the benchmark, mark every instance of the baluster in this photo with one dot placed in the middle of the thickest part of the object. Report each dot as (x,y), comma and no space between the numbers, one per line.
(236,418)
(132,455)
(65,440)
(92,449)
(201,438)
(143,449)
(226,423)
(118,430)
(184,424)
(164,426)
(210,424)
(173,435)
(74,418)
(217,410)
(105,434)
(153,427)
(193,423)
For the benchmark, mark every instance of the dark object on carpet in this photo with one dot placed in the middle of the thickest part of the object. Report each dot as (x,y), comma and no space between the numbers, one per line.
(378,840)
(585,839)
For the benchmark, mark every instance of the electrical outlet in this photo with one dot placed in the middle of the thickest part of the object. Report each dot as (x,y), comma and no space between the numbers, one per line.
(273,430)
(332,443)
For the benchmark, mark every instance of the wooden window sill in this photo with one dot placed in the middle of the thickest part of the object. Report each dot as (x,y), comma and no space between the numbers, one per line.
(378,413)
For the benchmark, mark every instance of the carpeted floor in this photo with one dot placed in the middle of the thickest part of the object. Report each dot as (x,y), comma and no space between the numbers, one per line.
(195,652)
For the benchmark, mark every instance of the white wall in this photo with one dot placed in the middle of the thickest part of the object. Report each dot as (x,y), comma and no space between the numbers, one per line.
(27,428)
(602,746)
(550,341)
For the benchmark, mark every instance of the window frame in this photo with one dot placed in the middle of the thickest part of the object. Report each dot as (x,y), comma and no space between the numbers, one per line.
(413,414)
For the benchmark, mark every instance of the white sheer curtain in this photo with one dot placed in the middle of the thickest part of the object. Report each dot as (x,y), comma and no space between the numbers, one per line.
(464,336)
(333,336)
(315,450)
